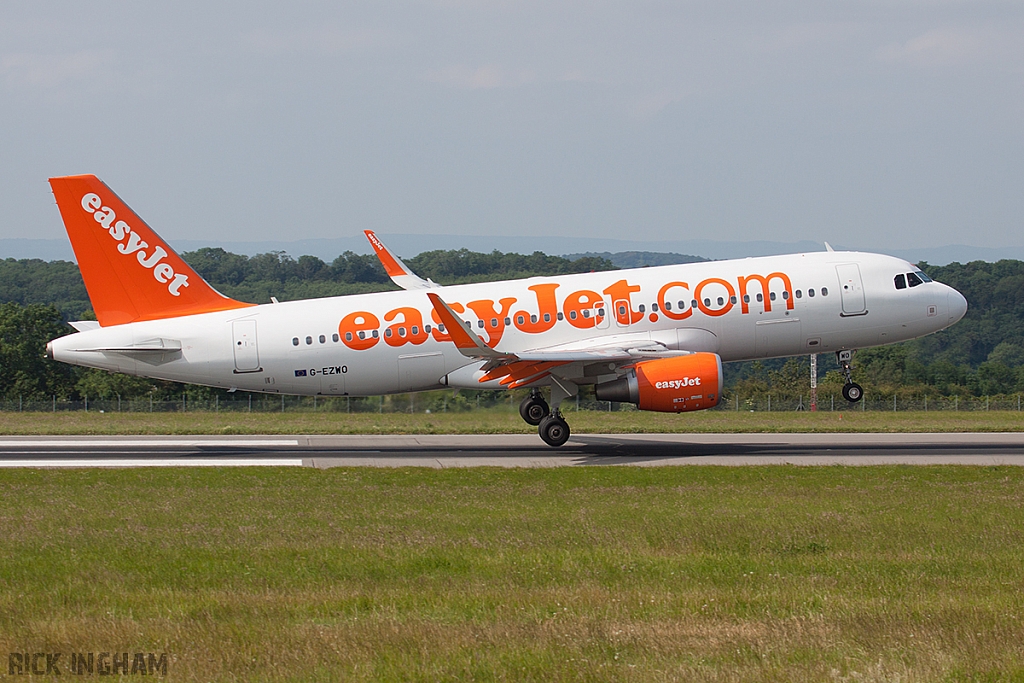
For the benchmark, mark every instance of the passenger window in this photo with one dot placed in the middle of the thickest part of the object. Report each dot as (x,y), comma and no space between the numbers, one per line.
(642,308)
(693,303)
(824,291)
(295,341)
(771,296)
(654,307)
(913,280)
(721,301)
(441,327)
(572,315)
(375,335)
(533,318)
(415,329)
(520,320)
(480,324)
(348,336)
(547,317)
(622,310)
(707,302)
(732,299)
(600,312)
(426,328)
(561,316)
(309,340)
(335,337)
(785,295)
(900,281)
(322,339)
(508,321)
(362,335)
(760,297)
(799,294)
(586,313)
(388,332)
(668,305)
(810,293)
(494,323)
(401,331)
(682,305)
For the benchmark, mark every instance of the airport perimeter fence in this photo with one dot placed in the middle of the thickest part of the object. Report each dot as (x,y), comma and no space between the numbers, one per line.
(443,402)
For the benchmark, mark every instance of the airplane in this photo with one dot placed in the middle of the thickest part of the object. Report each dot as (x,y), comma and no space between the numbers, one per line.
(654,337)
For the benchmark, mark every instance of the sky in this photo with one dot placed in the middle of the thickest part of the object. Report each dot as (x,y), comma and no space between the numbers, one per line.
(876,125)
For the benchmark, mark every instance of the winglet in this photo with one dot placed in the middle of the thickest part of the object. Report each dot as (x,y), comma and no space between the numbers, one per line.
(393,266)
(467,343)
(129,271)
(828,247)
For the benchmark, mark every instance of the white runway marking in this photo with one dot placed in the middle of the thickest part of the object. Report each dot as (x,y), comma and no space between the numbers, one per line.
(158,462)
(145,443)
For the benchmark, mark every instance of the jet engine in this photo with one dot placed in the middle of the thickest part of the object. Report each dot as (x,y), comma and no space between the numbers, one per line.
(669,385)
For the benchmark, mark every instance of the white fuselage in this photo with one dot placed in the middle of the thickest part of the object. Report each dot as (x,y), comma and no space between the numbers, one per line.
(314,346)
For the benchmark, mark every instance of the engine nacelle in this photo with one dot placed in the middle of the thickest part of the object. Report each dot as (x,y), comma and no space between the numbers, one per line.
(669,385)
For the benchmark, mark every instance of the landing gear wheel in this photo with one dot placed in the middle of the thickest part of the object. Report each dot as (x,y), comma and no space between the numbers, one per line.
(534,409)
(554,430)
(851,390)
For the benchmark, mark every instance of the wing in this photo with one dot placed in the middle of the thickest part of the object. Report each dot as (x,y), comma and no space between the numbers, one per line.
(525,367)
(396,270)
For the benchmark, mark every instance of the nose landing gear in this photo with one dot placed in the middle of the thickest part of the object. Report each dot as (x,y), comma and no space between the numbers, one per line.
(551,426)
(852,391)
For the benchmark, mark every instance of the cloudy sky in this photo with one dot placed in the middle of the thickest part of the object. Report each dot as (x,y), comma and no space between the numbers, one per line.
(877,125)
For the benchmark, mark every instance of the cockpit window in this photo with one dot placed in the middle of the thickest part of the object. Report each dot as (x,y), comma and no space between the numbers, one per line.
(922,276)
(901,281)
(913,280)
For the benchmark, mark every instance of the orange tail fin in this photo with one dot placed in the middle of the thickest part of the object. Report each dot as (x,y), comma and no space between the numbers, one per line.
(130,273)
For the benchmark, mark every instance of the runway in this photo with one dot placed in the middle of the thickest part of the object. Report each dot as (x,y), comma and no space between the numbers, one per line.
(515,450)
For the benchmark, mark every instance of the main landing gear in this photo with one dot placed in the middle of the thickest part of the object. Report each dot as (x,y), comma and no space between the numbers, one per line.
(534,408)
(551,426)
(554,430)
(852,391)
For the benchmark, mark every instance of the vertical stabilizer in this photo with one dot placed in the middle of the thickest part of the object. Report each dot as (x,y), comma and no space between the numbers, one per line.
(130,273)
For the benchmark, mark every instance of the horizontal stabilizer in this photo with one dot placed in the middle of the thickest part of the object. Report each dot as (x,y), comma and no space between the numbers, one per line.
(149,346)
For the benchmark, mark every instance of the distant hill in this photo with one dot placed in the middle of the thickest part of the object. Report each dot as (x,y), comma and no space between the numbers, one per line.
(409,245)
(639,259)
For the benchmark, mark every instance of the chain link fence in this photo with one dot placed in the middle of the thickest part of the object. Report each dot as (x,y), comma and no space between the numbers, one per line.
(445,401)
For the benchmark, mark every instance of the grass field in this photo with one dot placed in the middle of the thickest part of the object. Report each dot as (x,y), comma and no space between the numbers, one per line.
(713,574)
(501,422)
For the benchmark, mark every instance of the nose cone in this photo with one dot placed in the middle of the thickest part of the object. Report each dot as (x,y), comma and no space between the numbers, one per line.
(956,305)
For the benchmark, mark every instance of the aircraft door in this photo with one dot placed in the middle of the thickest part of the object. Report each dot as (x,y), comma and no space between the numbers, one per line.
(851,289)
(247,357)
(621,312)
(601,311)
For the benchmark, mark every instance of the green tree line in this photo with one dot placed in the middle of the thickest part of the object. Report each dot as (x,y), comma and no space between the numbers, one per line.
(982,355)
